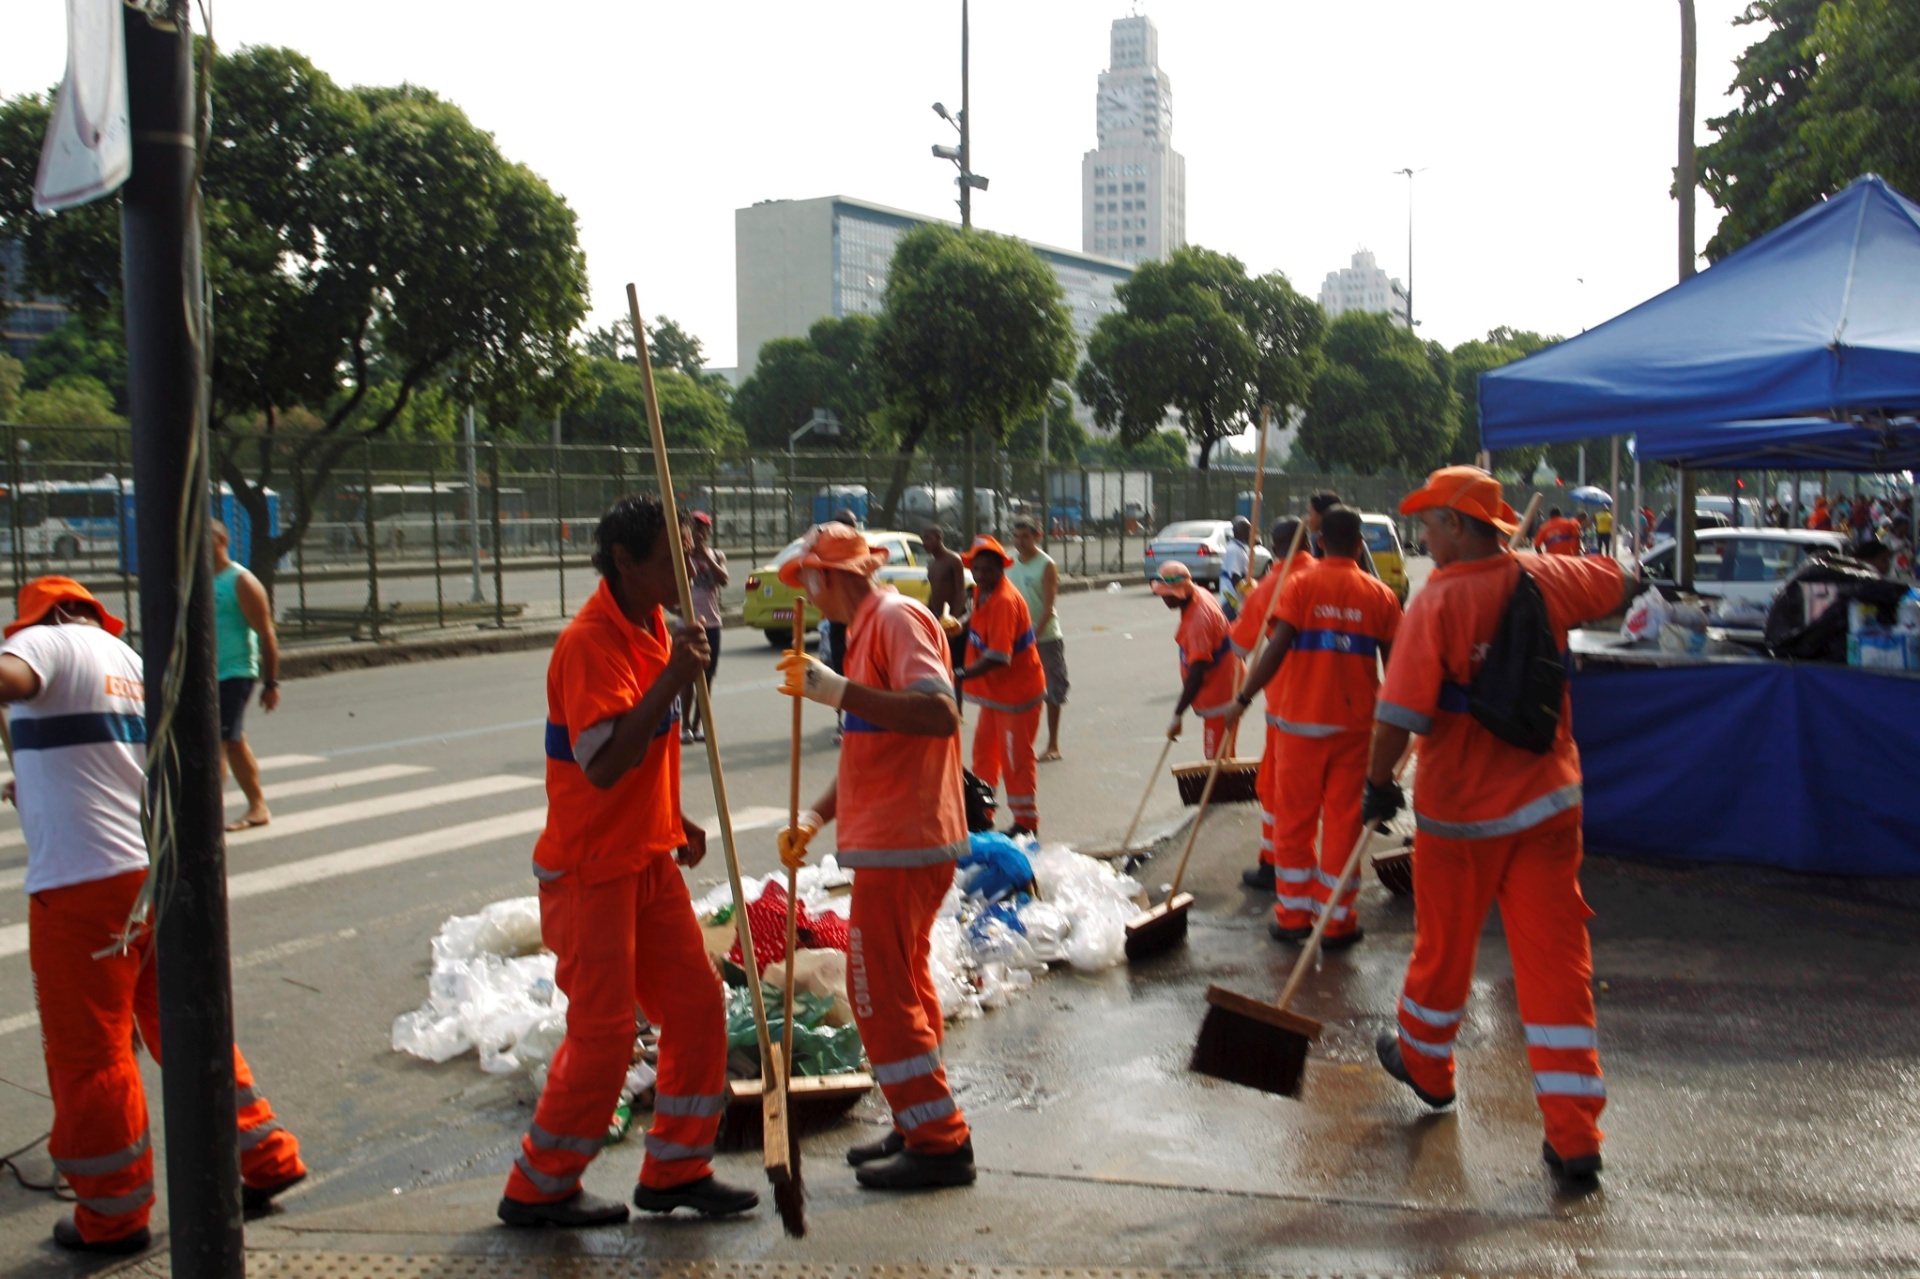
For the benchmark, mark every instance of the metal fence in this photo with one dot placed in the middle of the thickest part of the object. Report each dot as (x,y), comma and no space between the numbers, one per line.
(435,533)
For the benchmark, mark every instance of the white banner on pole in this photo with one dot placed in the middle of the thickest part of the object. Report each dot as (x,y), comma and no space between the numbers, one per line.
(89,148)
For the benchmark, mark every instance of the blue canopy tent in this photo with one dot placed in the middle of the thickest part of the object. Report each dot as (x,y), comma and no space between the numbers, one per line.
(1800,351)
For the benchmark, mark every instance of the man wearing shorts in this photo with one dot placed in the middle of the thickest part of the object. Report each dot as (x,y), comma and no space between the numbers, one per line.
(245,640)
(1037,578)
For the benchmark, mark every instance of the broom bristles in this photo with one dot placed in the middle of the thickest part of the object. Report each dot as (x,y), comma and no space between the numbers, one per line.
(1162,928)
(790,1196)
(1395,873)
(1239,779)
(1254,1044)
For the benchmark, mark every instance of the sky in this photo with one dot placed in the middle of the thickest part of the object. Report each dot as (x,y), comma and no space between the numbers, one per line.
(1545,129)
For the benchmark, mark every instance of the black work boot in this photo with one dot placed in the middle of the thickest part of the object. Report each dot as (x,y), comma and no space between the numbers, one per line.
(576,1210)
(885,1148)
(1294,936)
(1340,941)
(1260,877)
(709,1196)
(1387,1048)
(1581,1168)
(256,1199)
(67,1235)
(910,1170)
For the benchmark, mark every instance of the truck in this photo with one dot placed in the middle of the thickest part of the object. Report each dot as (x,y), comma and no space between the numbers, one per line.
(1102,499)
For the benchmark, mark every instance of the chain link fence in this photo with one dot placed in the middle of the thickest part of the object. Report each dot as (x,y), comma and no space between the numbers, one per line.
(378,536)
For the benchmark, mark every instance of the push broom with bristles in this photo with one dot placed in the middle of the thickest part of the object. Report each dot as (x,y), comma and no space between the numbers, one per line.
(1395,869)
(1165,926)
(774,1094)
(790,1197)
(1261,1045)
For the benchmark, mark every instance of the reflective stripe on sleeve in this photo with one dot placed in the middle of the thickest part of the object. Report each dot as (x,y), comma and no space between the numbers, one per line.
(1527,815)
(1400,717)
(931,685)
(544,875)
(1010,708)
(898,1072)
(1562,1037)
(1304,730)
(1567,1083)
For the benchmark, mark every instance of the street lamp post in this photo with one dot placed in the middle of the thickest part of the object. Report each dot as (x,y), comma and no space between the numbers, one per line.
(1408,174)
(969,182)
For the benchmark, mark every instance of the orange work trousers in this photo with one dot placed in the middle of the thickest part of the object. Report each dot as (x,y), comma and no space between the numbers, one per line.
(894,1002)
(1003,746)
(1265,781)
(90,1010)
(628,940)
(1320,782)
(1218,734)
(1535,877)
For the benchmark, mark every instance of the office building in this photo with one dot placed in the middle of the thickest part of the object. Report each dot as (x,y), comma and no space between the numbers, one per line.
(1133,186)
(797,261)
(1364,286)
(25,317)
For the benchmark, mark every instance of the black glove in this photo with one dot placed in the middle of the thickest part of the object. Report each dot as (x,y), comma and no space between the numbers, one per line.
(1382,802)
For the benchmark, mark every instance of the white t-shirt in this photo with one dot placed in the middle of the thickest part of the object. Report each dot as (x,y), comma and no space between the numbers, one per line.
(79,755)
(1233,562)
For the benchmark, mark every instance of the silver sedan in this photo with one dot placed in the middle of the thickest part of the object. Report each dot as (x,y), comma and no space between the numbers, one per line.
(1200,545)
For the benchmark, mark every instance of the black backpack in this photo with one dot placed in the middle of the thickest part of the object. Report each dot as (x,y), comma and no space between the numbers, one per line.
(1522,684)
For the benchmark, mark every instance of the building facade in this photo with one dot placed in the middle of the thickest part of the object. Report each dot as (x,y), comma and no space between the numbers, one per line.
(797,261)
(1364,286)
(1133,186)
(25,317)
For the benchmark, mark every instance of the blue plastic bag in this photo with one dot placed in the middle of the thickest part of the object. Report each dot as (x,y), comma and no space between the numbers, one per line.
(1001,868)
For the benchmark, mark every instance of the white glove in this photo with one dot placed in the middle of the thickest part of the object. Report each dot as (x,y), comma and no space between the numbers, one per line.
(811,678)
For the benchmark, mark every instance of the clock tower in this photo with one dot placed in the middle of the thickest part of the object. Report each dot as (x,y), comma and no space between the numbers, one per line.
(1133,187)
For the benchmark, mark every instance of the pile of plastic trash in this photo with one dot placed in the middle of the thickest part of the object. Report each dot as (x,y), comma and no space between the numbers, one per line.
(491,988)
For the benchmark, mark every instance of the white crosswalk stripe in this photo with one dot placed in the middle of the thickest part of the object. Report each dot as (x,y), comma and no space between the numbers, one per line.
(382,806)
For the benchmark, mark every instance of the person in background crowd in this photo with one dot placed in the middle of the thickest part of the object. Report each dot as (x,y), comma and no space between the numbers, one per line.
(1603,530)
(78,699)
(1822,517)
(707,572)
(1558,536)
(247,647)
(1586,529)
(1037,578)
(1776,515)
(1317,506)
(947,596)
(1235,564)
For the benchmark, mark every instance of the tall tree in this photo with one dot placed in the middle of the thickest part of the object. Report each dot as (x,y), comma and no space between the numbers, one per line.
(974,333)
(1382,399)
(12,375)
(831,368)
(1198,337)
(363,246)
(668,345)
(1482,355)
(691,415)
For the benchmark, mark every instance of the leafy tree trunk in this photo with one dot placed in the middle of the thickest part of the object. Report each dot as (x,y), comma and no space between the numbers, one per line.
(902,472)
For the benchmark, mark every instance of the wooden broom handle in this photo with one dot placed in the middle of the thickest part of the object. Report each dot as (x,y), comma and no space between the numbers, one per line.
(1311,950)
(1259,484)
(670,504)
(1519,536)
(1165,750)
(1259,644)
(793,821)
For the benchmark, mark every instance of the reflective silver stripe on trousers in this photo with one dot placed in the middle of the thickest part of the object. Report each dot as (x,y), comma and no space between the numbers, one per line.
(544,1140)
(1426,1049)
(1296,903)
(245,1097)
(925,1113)
(1562,1037)
(1266,846)
(251,1137)
(863,858)
(1401,717)
(1326,880)
(1434,1016)
(544,875)
(1011,708)
(544,1184)
(1566,1083)
(698,1106)
(673,1150)
(139,1197)
(898,1072)
(1305,730)
(1292,875)
(1266,818)
(101,1165)
(1548,805)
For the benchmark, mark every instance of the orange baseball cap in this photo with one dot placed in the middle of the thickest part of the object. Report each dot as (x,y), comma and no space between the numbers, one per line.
(836,546)
(985,543)
(1175,579)
(1466,489)
(40,596)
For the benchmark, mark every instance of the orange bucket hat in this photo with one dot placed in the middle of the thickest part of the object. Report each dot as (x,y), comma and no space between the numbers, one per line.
(40,596)
(985,543)
(1175,579)
(836,546)
(1466,489)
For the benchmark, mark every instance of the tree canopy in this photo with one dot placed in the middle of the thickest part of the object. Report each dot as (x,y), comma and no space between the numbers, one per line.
(833,367)
(1198,337)
(691,415)
(1382,399)
(1482,355)
(1830,90)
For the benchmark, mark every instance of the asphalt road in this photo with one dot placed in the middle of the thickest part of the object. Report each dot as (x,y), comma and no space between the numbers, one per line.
(1758,1031)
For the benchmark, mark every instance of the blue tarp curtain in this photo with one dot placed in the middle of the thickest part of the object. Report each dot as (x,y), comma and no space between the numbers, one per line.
(1778,764)
(1775,352)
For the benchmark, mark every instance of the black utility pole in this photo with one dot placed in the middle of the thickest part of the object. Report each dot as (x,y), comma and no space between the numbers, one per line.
(166,361)
(966,133)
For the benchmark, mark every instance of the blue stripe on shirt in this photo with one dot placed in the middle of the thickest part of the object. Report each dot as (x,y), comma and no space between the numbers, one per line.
(1326,641)
(50,732)
(560,741)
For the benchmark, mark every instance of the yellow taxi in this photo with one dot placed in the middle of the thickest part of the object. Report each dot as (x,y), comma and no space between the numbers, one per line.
(769,602)
(1383,544)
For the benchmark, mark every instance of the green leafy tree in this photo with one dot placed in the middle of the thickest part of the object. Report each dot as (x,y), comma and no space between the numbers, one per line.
(974,334)
(1830,90)
(831,368)
(85,346)
(1382,399)
(1199,337)
(12,375)
(1482,355)
(75,400)
(691,415)
(1161,451)
(363,246)
(1065,437)
(668,345)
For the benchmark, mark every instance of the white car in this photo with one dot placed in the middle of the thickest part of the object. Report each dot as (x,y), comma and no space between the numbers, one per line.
(1742,563)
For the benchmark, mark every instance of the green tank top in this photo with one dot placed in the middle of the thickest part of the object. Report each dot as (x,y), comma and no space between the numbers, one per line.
(1028,578)
(234,640)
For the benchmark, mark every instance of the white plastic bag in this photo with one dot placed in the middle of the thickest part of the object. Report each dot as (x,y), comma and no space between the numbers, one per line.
(1646,616)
